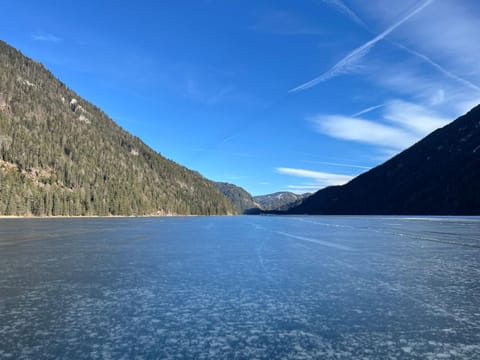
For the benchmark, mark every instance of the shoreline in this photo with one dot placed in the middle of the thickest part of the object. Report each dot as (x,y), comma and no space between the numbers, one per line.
(2,217)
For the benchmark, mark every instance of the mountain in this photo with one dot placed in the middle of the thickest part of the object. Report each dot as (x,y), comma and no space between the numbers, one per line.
(61,155)
(439,175)
(243,201)
(250,205)
(279,200)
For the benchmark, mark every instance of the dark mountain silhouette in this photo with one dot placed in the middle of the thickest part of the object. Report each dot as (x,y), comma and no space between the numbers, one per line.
(439,175)
(61,155)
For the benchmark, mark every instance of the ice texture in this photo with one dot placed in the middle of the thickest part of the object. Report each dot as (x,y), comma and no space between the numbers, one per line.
(246,287)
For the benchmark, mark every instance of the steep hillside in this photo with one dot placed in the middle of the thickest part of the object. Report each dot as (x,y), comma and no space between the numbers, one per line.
(440,175)
(239,197)
(60,155)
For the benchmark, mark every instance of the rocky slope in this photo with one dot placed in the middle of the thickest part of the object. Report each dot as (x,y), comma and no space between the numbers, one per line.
(280,200)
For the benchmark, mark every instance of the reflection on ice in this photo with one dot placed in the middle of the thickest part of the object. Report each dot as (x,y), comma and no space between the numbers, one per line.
(240,287)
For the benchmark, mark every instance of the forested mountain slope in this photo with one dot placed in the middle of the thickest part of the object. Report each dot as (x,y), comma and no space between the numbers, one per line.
(439,175)
(61,155)
(239,197)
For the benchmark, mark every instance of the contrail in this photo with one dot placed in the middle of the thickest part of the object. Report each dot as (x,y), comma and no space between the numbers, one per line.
(354,17)
(439,67)
(358,53)
(347,11)
(335,164)
(367,110)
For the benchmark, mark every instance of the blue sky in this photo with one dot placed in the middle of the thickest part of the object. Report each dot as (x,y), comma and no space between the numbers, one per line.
(269,95)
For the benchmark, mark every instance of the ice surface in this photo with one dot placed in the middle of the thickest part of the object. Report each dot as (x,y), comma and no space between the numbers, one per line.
(240,288)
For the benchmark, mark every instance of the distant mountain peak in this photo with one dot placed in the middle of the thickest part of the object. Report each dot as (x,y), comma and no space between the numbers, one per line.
(282,200)
(248,204)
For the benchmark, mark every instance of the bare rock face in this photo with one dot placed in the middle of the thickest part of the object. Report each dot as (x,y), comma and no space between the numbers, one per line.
(84,119)
(3,102)
(73,104)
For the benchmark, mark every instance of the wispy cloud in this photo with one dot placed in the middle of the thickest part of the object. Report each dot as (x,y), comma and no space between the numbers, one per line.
(447,33)
(336,164)
(354,56)
(432,91)
(450,97)
(438,97)
(415,118)
(364,131)
(344,9)
(46,38)
(317,180)
(404,124)
(440,68)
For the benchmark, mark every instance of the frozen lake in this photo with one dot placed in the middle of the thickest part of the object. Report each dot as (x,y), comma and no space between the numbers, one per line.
(240,288)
